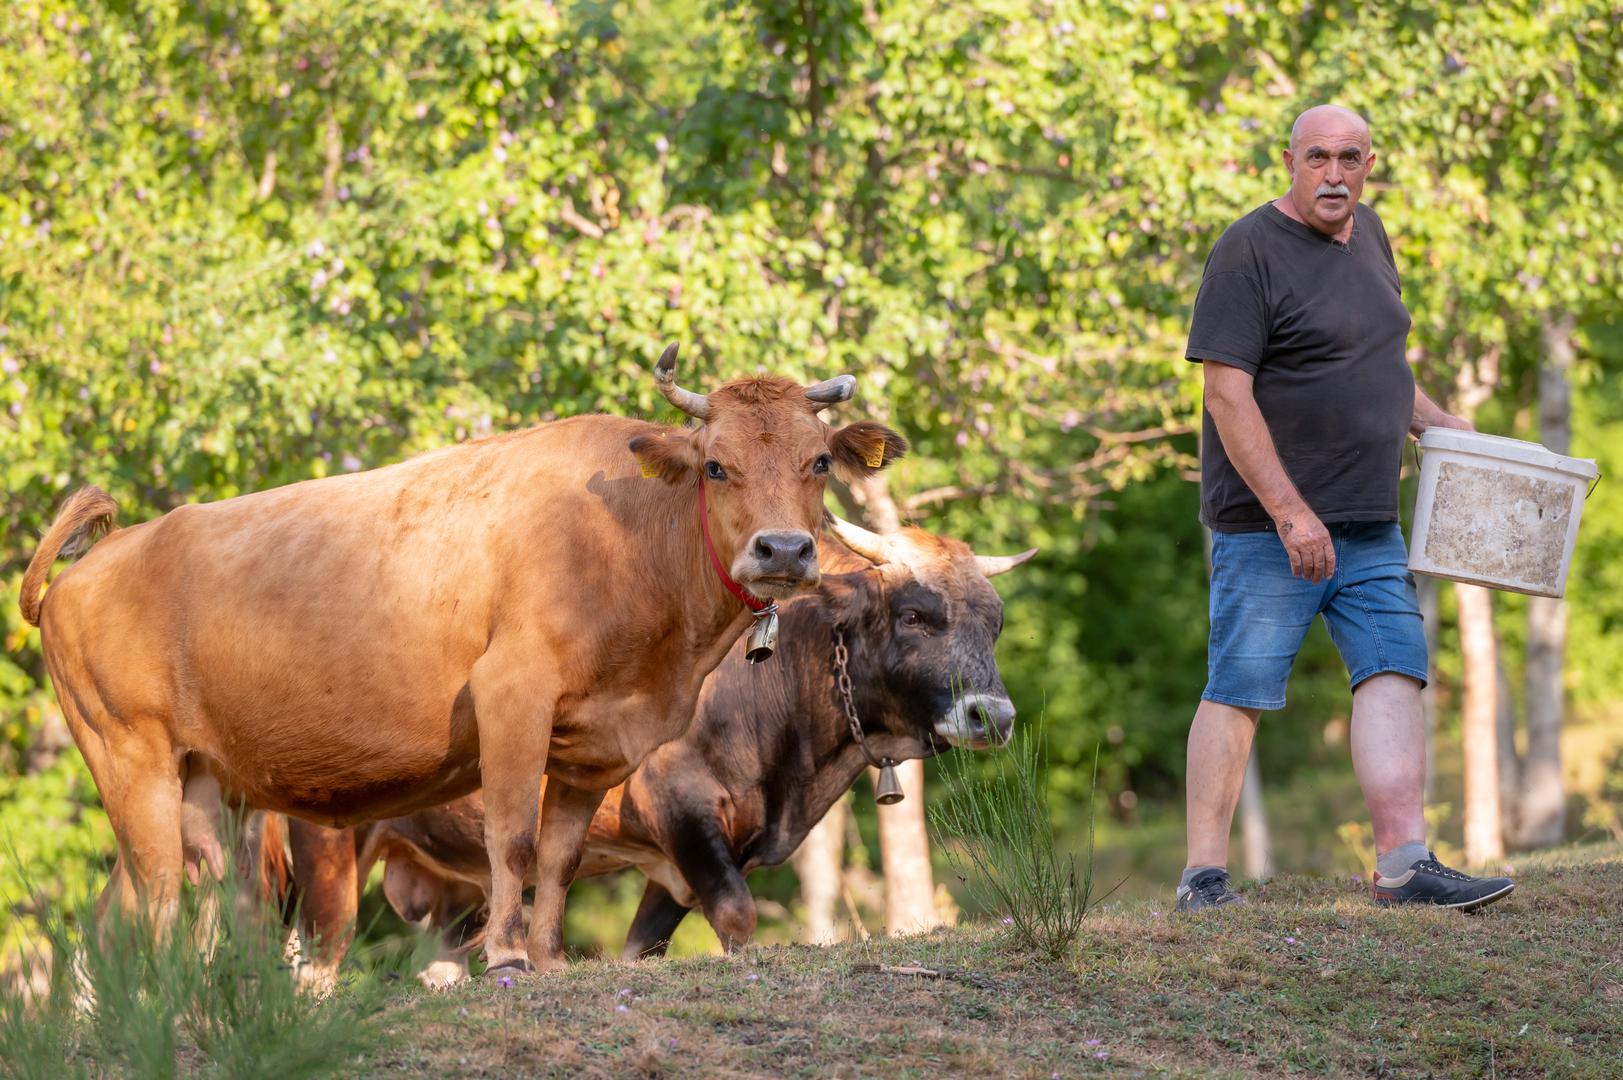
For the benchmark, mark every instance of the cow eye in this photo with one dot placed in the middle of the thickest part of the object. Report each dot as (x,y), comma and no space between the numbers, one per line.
(910,617)
(822,464)
(714,471)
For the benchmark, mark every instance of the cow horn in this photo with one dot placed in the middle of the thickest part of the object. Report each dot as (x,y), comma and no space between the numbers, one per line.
(831,391)
(870,545)
(695,405)
(993,565)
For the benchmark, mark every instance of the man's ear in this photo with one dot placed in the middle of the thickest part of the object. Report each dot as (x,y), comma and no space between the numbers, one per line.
(865,447)
(669,456)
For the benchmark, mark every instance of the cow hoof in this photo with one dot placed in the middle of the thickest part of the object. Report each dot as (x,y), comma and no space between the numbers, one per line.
(507,969)
(442,974)
(317,980)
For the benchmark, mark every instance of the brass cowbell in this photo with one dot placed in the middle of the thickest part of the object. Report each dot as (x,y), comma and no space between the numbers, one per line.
(889,790)
(763,635)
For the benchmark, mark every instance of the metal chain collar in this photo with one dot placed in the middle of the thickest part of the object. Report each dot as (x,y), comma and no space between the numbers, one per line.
(842,678)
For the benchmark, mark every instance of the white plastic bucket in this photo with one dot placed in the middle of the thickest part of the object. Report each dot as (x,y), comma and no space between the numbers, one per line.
(1497,512)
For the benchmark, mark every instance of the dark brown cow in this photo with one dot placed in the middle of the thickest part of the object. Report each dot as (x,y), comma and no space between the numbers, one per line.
(768,753)
(367,645)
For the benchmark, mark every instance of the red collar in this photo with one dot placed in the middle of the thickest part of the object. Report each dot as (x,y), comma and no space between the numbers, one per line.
(745,597)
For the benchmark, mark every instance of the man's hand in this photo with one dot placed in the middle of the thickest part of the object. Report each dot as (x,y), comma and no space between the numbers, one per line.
(1307,542)
(1428,414)
(1449,420)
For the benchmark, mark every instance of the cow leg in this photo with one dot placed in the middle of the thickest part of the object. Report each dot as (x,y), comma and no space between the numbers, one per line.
(705,859)
(566,812)
(513,735)
(656,920)
(324,870)
(148,824)
(456,918)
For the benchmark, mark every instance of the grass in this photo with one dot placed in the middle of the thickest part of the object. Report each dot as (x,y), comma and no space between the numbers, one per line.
(1000,843)
(120,1001)
(1310,978)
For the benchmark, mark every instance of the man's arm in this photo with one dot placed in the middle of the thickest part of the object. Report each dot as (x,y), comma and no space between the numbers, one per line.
(1250,447)
(1427,413)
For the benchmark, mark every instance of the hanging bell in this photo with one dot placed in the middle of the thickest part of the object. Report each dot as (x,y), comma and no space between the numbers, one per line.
(763,635)
(889,789)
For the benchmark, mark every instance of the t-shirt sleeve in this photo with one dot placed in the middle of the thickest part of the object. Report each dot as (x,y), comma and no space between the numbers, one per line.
(1230,324)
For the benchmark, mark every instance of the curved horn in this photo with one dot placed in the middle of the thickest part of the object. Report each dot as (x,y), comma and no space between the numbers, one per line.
(695,405)
(831,391)
(993,565)
(870,545)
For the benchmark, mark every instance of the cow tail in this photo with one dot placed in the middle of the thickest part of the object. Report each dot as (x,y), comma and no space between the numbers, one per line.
(274,874)
(88,513)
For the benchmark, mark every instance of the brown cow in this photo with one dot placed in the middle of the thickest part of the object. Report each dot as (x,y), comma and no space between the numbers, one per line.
(768,753)
(367,645)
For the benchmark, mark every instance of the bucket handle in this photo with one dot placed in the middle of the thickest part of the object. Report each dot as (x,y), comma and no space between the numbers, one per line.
(1593,484)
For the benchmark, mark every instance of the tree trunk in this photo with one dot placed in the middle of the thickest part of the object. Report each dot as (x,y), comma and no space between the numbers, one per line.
(1430,610)
(1259,854)
(904,849)
(819,863)
(1543,819)
(1510,762)
(1484,840)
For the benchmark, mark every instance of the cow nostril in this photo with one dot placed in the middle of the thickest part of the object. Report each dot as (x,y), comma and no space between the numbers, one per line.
(763,550)
(808,550)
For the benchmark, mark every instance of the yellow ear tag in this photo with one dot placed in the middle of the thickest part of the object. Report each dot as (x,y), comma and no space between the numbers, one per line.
(649,472)
(876,457)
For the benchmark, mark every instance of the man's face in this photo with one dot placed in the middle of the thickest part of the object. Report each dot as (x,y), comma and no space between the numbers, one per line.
(1328,164)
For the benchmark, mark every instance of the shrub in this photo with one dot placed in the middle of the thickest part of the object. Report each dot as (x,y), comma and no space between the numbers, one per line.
(999,839)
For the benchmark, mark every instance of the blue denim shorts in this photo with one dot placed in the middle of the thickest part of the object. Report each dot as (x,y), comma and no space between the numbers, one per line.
(1261,612)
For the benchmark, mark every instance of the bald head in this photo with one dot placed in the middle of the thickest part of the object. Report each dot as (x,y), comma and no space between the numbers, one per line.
(1328,159)
(1328,120)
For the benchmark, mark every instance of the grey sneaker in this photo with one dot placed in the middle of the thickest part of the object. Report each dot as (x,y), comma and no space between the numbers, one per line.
(1430,882)
(1207,890)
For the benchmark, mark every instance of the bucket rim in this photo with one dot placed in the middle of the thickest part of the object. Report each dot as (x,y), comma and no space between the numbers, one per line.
(1501,448)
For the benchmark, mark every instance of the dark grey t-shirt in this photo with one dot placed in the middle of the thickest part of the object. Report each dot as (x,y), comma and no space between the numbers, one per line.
(1321,327)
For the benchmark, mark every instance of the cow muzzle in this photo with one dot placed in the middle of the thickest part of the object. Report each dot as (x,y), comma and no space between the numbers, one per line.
(777,564)
(978,721)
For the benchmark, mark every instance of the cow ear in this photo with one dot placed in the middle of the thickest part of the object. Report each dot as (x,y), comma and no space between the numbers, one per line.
(845,595)
(865,447)
(669,457)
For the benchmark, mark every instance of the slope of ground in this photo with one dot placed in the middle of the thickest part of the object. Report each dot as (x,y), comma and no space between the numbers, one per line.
(1310,978)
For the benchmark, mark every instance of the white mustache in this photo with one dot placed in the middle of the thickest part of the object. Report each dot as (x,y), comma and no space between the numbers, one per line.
(1331,189)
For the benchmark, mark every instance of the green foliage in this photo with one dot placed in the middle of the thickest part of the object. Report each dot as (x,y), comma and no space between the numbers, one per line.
(1000,841)
(244,244)
(220,1002)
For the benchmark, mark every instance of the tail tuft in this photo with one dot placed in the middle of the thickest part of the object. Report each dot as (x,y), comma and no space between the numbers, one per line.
(87,515)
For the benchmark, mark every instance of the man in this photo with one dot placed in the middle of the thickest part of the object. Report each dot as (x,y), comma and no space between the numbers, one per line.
(1300,327)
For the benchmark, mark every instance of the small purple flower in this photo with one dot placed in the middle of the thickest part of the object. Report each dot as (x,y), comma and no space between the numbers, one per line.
(622,1008)
(352,463)
(751,977)
(1095,1042)
(505,982)
(625,992)
(1290,941)
(1356,880)
(1103,1055)
(1008,920)
(671,1043)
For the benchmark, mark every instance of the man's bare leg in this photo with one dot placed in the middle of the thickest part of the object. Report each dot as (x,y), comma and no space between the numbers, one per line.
(1389,756)
(1219,745)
